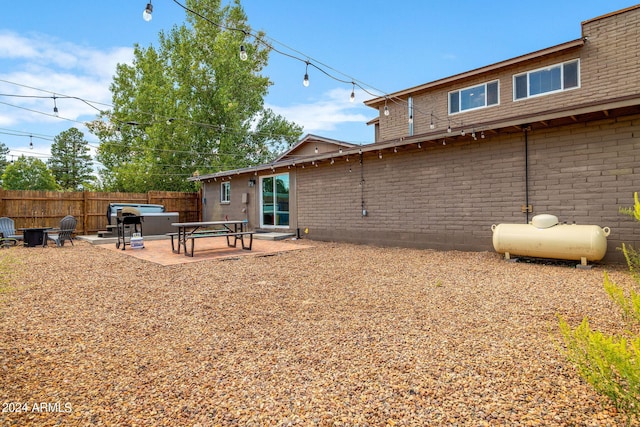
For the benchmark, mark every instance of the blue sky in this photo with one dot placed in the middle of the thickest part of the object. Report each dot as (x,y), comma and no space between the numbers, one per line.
(71,48)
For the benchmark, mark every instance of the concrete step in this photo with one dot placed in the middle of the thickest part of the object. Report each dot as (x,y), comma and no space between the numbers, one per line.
(273,235)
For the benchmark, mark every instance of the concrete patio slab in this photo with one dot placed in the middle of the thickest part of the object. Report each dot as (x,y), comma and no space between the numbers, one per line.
(159,251)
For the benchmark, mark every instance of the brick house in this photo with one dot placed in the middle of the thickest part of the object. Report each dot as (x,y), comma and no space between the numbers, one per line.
(553,131)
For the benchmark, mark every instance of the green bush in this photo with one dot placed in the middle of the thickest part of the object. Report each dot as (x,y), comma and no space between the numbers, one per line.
(611,363)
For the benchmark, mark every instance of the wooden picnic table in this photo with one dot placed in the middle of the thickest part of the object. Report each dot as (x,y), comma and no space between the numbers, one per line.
(236,229)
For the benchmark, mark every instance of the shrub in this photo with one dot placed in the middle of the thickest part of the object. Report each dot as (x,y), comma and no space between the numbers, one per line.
(611,363)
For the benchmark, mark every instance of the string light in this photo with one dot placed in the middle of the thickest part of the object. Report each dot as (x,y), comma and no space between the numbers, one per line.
(352,98)
(243,53)
(305,81)
(260,39)
(55,107)
(146,14)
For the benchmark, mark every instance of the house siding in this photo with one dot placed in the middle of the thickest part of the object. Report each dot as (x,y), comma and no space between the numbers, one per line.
(609,68)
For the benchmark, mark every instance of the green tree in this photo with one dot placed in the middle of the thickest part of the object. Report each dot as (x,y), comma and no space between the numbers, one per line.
(28,173)
(190,105)
(4,151)
(611,363)
(70,162)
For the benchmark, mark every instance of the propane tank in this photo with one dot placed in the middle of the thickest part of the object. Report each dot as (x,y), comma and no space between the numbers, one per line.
(544,237)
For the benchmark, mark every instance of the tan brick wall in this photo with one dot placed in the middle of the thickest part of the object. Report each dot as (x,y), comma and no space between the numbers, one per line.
(447,197)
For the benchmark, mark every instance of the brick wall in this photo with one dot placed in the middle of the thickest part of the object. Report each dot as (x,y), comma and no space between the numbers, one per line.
(447,197)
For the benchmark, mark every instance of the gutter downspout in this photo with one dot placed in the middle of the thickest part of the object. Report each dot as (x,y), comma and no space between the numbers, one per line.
(526,209)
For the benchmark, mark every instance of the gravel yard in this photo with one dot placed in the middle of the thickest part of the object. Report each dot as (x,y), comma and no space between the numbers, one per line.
(332,335)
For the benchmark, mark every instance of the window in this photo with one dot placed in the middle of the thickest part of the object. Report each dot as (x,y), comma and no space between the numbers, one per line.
(474,97)
(546,80)
(225,192)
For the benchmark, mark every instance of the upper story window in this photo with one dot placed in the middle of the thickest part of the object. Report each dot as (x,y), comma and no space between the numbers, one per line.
(474,97)
(547,80)
(225,192)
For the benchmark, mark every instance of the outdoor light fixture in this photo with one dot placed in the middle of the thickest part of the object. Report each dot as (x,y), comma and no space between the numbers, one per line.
(243,53)
(146,14)
(305,82)
(353,93)
(55,107)
(432,125)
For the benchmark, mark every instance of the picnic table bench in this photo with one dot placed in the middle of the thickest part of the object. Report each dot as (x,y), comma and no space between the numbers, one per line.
(190,231)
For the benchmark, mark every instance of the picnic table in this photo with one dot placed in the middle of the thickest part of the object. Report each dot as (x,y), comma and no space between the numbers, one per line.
(190,231)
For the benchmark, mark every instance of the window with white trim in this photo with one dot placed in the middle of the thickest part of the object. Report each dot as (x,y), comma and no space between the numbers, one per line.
(543,81)
(225,192)
(474,97)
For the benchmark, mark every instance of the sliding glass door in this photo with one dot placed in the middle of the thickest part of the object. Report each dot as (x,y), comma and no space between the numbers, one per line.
(274,203)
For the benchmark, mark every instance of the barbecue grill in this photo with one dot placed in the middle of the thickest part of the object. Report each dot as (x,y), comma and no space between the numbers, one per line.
(128,222)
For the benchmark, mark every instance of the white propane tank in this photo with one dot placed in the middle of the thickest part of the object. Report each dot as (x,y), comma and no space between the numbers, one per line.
(545,238)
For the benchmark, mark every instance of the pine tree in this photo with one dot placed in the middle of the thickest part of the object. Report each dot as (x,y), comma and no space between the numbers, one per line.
(70,162)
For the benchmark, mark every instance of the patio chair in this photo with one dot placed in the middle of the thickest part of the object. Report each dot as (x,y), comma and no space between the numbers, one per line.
(8,232)
(67,227)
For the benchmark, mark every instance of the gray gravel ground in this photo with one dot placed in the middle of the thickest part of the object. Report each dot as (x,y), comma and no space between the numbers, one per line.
(334,335)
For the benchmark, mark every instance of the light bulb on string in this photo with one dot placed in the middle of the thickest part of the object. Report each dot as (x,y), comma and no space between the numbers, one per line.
(305,81)
(146,14)
(243,53)
(55,107)
(31,142)
(352,98)
(432,125)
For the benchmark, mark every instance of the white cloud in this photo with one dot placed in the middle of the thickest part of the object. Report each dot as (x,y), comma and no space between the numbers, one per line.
(326,113)
(54,66)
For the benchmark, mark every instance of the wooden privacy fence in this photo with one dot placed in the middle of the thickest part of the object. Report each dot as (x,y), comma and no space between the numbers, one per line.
(46,208)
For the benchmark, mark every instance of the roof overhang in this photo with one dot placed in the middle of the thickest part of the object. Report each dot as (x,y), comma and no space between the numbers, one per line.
(587,112)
